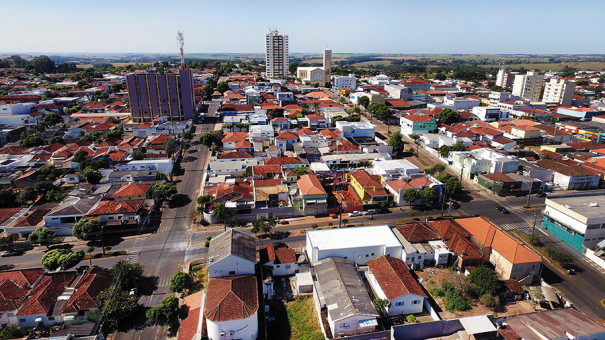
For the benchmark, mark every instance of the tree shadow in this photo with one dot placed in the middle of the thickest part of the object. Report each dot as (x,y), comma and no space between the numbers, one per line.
(278,325)
(550,276)
(147,285)
(108,241)
(136,321)
(60,246)
(179,201)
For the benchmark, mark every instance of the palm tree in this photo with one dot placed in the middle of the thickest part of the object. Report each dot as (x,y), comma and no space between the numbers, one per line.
(315,107)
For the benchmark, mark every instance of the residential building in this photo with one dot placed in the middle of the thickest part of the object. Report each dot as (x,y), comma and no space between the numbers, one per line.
(277,54)
(570,177)
(358,244)
(73,208)
(559,91)
(366,187)
(320,75)
(505,78)
(417,124)
(577,220)
(499,183)
(356,129)
(458,103)
(281,260)
(490,113)
(231,307)
(344,82)
(416,182)
(583,113)
(161,95)
(390,279)
(315,121)
(314,196)
(341,297)
(483,160)
(231,253)
(528,86)
(394,168)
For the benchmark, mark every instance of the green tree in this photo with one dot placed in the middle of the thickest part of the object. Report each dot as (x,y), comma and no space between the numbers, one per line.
(247,173)
(10,332)
(114,134)
(428,194)
(397,143)
(207,139)
(221,213)
(534,240)
(7,198)
(411,196)
(41,236)
(187,135)
(71,259)
(222,87)
(416,138)
(27,195)
(90,137)
(63,258)
(41,64)
(265,224)
(485,279)
(163,191)
(52,118)
(180,281)
(129,274)
(56,139)
(383,113)
(115,306)
(301,171)
(171,145)
(364,101)
(8,242)
(381,304)
(87,229)
(411,319)
(91,175)
(448,116)
(80,155)
(164,314)
(30,141)
(435,169)
(454,301)
(138,155)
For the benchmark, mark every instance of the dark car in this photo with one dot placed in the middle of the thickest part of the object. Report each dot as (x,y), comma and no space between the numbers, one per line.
(503,210)
(541,194)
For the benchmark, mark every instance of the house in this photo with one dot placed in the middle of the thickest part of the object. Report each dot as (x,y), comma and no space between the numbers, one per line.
(341,297)
(163,165)
(280,123)
(62,217)
(483,160)
(394,168)
(391,279)
(458,240)
(281,260)
(132,191)
(266,171)
(270,194)
(366,187)
(500,184)
(231,253)
(563,323)
(15,286)
(359,244)
(286,162)
(191,326)
(82,303)
(421,245)
(121,213)
(315,121)
(503,143)
(235,141)
(570,177)
(415,182)
(285,140)
(234,191)
(261,131)
(313,194)
(417,124)
(231,307)
(356,129)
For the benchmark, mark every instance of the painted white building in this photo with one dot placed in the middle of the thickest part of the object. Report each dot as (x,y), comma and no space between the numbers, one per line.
(459,103)
(394,168)
(380,79)
(356,129)
(358,244)
(483,160)
(344,82)
(163,165)
(17,109)
(231,253)
(528,86)
(277,57)
(261,131)
(281,260)
(490,113)
(504,78)
(390,279)
(559,91)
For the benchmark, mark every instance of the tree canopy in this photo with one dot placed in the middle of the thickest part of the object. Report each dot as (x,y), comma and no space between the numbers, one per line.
(163,191)
(87,229)
(41,236)
(92,176)
(180,281)
(411,196)
(397,143)
(485,279)
(166,313)
(448,116)
(64,258)
(115,306)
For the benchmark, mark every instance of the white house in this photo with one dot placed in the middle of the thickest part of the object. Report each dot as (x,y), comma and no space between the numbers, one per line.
(231,253)
(358,244)
(163,165)
(341,296)
(390,279)
(490,113)
(356,129)
(261,131)
(483,160)
(281,260)
(231,308)
(457,103)
(394,168)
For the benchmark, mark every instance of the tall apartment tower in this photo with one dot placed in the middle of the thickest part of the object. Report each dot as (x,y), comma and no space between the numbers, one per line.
(559,91)
(328,64)
(276,54)
(157,95)
(528,86)
(505,78)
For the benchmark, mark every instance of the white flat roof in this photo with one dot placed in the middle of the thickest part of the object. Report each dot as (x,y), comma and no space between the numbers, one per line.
(477,324)
(354,237)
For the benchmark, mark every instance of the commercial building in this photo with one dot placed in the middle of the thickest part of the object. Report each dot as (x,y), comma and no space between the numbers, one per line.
(577,220)
(559,91)
(276,54)
(344,82)
(161,95)
(528,86)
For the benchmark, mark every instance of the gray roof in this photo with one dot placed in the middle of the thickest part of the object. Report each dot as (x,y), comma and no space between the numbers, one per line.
(232,242)
(74,206)
(341,289)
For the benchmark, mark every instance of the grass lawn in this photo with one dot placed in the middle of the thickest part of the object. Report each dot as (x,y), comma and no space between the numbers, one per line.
(302,323)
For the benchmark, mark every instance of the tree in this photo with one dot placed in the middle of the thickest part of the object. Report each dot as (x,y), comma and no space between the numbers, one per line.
(187,135)
(364,101)
(171,145)
(440,76)
(91,175)
(247,173)
(165,314)
(114,134)
(41,236)
(455,301)
(138,155)
(80,155)
(411,319)
(265,224)
(56,139)
(10,332)
(180,281)
(486,280)
(87,229)
(52,118)
(383,112)
(452,186)
(115,306)
(435,169)
(71,259)
(27,195)
(41,64)
(428,194)
(128,275)
(207,139)
(411,196)
(7,198)
(30,141)
(63,258)
(90,137)
(397,143)
(222,87)
(301,171)
(533,239)
(163,191)
(381,305)
(415,137)
(448,116)
(8,242)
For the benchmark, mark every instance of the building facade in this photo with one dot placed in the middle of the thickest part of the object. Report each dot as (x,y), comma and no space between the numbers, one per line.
(504,78)
(276,54)
(559,91)
(161,95)
(528,86)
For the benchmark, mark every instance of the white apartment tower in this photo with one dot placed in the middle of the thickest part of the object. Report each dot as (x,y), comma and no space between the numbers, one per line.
(505,78)
(276,54)
(558,91)
(528,86)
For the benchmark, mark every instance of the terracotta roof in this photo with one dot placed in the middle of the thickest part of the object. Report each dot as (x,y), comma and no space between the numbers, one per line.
(448,229)
(419,118)
(116,207)
(287,135)
(500,177)
(282,160)
(158,139)
(43,297)
(94,281)
(15,285)
(237,108)
(365,179)
(240,189)
(235,154)
(399,184)
(231,298)
(235,137)
(317,94)
(574,170)
(417,232)
(304,131)
(394,277)
(315,117)
(14,150)
(6,213)
(281,255)
(292,107)
(263,183)
(34,218)
(96,105)
(420,182)
(398,103)
(344,145)
(133,189)
(264,170)
(310,185)
(189,326)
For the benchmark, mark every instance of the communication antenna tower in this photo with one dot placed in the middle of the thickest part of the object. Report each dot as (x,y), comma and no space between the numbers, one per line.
(181,41)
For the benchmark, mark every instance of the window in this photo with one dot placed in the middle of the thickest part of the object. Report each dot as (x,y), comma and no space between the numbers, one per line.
(345,325)
(10,315)
(367,255)
(416,302)
(287,266)
(232,272)
(400,303)
(372,254)
(22,320)
(51,318)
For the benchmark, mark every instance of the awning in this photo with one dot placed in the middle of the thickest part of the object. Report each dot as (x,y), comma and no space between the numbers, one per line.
(368,323)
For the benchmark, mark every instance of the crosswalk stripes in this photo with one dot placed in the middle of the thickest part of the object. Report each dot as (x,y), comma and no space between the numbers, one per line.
(524,227)
(135,251)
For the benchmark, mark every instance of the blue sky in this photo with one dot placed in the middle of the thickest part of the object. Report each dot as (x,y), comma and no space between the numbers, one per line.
(376,26)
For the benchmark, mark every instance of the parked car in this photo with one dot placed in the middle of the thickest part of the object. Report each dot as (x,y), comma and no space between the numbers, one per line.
(8,253)
(503,210)
(541,194)
(370,212)
(354,213)
(335,216)
(283,222)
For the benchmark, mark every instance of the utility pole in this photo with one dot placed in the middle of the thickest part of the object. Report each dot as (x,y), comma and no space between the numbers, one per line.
(533,230)
(340,212)
(461,172)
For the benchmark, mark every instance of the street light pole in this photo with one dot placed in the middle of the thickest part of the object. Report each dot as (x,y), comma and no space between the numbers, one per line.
(533,230)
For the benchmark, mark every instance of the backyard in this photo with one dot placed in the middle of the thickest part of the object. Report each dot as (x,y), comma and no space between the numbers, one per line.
(301,322)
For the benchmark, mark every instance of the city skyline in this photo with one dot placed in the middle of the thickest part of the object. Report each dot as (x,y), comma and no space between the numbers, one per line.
(402,27)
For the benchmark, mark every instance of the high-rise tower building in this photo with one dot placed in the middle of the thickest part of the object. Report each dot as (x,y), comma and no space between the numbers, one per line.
(276,54)
(558,91)
(505,78)
(528,86)
(161,95)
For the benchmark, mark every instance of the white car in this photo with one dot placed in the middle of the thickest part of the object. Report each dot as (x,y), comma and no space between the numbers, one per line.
(354,213)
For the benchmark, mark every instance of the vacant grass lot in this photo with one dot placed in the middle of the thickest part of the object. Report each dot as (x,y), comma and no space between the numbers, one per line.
(301,323)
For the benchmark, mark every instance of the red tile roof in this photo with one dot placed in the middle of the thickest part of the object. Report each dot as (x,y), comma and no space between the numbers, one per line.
(94,281)
(263,183)
(235,154)
(417,232)
(287,135)
(264,170)
(365,179)
(282,161)
(315,117)
(134,189)
(231,298)
(399,184)
(43,297)
(398,103)
(15,285)
(304,131)
(116,207)
(235,137)
(448,229)
(6,213)
(394,277)
(419,118)
(232,192)
(310,185)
